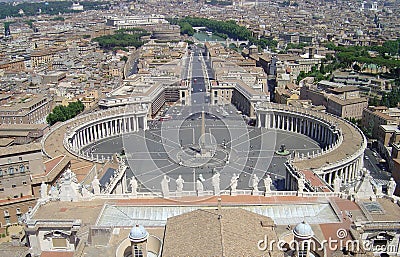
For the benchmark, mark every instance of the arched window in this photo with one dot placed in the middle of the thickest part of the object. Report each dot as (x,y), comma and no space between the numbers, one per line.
(1,172)
(21,168)
(138,251)
(10,170)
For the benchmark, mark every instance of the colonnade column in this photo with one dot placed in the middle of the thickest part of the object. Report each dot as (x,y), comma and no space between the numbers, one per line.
(145,126)
(129,124)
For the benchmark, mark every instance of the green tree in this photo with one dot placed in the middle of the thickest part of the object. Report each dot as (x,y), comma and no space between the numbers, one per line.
(122,39)
(63,113)
(322,68)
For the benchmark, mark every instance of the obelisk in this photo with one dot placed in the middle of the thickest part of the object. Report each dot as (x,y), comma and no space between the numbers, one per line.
(203,134)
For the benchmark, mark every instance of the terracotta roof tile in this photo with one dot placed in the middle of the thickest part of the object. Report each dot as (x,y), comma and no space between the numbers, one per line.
(57,254)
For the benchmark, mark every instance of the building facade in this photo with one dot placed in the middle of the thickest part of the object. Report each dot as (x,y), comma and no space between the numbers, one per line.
(30,109)
(17,165)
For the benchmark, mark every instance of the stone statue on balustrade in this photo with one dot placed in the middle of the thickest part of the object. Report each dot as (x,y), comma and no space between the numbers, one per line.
(199,185)
(85,192)
(254,182)
(234,183)
(301,184)
(391,187)
(378,189)
(337,183)
(96,185)
(215,180)
(43,190)
(54,193)
(267,184)
(165,186)
(179,184)
(134,186)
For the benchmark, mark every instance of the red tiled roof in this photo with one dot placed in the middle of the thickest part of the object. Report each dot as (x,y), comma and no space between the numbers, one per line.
(50,164)
(12,200)
(315,180)
(57,254)
(344,204)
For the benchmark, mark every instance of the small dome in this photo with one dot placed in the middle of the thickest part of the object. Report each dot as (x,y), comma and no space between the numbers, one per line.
(138,234)
(303,231)
(253,47)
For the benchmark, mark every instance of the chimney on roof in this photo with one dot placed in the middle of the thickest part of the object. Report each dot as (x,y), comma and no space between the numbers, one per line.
(219,205)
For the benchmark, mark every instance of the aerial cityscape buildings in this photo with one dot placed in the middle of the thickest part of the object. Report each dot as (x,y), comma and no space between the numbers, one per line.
(200,128)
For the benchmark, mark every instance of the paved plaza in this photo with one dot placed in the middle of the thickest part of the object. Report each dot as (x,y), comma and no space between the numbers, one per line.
(172,147)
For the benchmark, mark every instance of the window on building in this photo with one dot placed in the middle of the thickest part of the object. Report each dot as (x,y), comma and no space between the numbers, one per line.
(138,251)
(6,213)
(21,168)
(303,249)
(7,219)
(13,185)
(1,172)
(1,189)
(10,170)
(24,183)
(20,158)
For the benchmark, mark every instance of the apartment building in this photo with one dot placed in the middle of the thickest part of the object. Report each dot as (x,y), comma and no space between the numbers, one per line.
(341,100)
(375,116)
(17,165)
(25,109)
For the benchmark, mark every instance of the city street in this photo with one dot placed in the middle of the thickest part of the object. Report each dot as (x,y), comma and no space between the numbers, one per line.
(371,161)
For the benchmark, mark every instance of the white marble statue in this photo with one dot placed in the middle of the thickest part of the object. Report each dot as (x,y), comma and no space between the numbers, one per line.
(301,184)
(215,180)
(234,182)
(165,186)
(96,185)
(134,186)
(85,193)
(337,183)
(267,183)
(199,187)
(391,187)
(54,193)
(254,182)
(43,190)
(378,189)
(179,184)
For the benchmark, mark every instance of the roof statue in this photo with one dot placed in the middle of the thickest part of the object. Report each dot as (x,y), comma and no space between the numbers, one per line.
(165,186)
